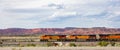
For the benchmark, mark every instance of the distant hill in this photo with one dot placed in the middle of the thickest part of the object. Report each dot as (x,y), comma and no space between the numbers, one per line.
(60,31)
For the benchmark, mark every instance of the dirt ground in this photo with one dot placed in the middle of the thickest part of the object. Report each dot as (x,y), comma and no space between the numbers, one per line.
(59,48)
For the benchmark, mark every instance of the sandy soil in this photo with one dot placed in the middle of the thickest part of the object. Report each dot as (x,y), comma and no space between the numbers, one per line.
(59,48)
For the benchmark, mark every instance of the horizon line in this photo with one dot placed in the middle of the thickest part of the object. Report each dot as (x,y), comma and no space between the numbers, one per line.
(55,27)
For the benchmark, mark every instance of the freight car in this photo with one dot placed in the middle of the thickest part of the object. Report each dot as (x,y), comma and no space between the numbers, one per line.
(79,38)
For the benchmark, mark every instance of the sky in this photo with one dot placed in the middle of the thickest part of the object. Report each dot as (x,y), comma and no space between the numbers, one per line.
(59,13)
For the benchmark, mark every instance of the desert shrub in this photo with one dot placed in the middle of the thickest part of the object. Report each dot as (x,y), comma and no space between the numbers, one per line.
(31,45)
(0,42)
(79,45)
(112,43)
(49,44)
(103,43)
(72,45)
(118,44)
(20,45)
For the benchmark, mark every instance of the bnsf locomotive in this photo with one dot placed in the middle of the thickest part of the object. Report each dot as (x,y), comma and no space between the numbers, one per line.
(110,37)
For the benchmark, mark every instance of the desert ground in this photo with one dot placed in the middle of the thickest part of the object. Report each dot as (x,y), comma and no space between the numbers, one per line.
(60,48)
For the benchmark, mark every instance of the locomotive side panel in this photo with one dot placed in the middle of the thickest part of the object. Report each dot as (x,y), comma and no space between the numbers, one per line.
(82,37)
(44,38)
(114,37)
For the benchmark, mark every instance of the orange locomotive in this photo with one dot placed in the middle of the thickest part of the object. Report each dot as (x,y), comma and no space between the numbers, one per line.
(64,37)
(80,38)
(51,37)
(115,37)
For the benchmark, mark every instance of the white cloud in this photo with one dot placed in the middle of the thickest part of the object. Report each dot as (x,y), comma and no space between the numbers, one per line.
(34,13)
(62,14)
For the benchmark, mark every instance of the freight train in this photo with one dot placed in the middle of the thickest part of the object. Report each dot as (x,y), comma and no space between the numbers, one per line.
(78,38)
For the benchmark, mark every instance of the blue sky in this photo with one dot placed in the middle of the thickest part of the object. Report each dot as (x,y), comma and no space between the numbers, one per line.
(59,13)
